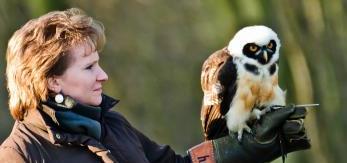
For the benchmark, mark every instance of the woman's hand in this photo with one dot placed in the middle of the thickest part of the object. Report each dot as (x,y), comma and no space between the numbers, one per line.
(278,132)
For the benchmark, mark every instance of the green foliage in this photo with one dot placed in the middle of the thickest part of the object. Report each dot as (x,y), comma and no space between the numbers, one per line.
(155,51)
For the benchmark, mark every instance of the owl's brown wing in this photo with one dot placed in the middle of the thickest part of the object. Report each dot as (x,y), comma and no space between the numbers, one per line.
(218,82)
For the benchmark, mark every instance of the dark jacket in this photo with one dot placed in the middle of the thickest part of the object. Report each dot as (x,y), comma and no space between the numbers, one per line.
(39,138)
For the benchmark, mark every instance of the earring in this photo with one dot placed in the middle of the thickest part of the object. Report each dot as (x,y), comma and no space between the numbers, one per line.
(59,98)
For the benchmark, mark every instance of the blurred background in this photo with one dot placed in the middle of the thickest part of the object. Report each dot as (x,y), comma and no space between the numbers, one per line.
(156,48)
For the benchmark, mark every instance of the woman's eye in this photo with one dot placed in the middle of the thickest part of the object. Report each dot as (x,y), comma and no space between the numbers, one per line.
(253,48)
(89,67)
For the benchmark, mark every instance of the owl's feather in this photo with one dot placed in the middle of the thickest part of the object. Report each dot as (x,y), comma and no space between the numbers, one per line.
(218,82)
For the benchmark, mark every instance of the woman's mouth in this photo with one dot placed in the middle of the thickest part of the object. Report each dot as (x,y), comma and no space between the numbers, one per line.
(98,90)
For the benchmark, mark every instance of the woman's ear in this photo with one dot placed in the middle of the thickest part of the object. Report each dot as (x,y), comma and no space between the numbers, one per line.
(53,84)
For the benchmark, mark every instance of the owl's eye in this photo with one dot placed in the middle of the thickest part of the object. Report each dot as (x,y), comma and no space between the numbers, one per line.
(270,45)
(253,48)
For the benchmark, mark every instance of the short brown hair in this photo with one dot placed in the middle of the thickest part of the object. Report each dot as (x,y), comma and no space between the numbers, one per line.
(38,50)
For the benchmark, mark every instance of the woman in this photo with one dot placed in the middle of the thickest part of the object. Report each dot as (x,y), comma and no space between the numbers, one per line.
(55,87)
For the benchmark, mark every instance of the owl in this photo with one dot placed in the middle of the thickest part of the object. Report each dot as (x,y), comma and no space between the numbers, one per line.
(240,82)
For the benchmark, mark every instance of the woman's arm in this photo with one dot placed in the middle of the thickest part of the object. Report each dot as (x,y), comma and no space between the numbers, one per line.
(278,132)
(160,153)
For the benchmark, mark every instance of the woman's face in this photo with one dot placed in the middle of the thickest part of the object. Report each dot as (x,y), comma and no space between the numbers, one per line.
(83,78)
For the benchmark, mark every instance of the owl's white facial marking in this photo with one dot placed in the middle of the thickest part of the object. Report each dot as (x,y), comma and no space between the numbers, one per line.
(257,45)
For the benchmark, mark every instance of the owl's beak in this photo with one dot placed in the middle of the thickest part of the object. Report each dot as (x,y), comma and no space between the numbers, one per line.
(265,56)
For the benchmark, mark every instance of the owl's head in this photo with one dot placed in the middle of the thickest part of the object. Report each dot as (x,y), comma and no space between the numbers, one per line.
(256,44)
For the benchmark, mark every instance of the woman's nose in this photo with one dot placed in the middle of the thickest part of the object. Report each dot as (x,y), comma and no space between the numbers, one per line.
(102,76)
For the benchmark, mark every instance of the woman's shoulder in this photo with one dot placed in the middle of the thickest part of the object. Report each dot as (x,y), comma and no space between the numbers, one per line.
(10,154)
(16,144)
(114,117)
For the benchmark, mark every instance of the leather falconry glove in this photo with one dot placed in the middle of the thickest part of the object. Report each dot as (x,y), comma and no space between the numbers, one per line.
(278,132)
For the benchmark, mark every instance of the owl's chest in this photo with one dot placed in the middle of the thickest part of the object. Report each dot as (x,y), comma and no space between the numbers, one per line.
(255,86)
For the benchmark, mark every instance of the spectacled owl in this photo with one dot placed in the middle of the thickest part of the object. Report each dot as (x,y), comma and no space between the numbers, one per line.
(240,82)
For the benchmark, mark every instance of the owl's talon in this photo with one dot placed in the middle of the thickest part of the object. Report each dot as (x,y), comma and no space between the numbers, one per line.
(248,129)
(239,135)
(256,113)
(270,108)
(240,131)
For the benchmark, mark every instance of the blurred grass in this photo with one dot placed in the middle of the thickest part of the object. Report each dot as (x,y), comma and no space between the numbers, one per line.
(156,48)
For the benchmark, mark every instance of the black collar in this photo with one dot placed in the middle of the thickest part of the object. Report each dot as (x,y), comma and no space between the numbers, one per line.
(255,70)
(252,68)
(93,112)
(46,116)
